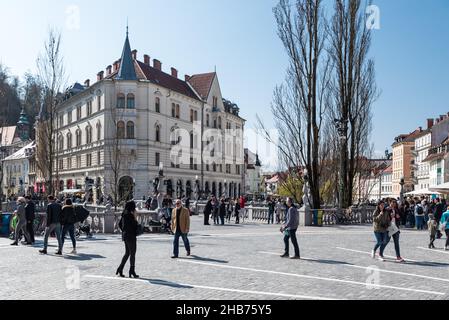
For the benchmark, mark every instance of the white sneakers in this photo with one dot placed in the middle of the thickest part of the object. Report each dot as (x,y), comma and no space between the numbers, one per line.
(373,254)
(73,251)
(381,259)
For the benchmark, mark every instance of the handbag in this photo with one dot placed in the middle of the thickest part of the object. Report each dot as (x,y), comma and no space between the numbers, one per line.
(392,229)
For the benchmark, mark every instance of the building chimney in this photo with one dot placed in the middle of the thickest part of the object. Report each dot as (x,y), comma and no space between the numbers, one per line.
(134,53)
(100,75)
(108,70)
(441,117)
(174,72)
(87,83)
(187,77)
(146,59)
(420,129)
(430,123)
(116,66)
(157,64)
(437,120)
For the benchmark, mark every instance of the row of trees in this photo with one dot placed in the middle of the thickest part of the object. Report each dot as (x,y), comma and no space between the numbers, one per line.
(323,110)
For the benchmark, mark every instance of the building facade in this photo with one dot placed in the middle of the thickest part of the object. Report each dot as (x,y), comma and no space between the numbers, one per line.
(253,178)
(16,169)
(118,135)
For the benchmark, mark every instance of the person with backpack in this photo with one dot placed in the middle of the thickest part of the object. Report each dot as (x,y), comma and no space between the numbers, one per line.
(129,227)
(68,220)
(419,215)
(444,225)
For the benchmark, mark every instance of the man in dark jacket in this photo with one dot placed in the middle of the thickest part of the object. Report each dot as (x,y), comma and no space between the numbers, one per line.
(289,229)
(207,212)
(30,212)
(438,210)
(53,224)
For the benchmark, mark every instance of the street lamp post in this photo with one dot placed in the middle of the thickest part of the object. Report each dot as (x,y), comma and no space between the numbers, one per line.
(402,182)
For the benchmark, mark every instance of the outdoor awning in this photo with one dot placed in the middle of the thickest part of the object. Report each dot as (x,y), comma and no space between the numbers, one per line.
(442,188)
(423,192)
(71,191)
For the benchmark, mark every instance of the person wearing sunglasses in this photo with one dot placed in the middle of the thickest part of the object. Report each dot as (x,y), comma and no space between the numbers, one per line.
(180,227)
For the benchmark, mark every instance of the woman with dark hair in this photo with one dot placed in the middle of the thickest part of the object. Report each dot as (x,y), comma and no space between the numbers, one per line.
(395,218)
(128,225)
(381,223)
(68,220)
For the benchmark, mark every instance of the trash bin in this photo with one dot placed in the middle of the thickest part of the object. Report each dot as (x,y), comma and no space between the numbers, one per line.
(5,221)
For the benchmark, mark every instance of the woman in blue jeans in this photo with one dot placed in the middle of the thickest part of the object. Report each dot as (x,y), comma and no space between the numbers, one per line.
(381,222)
(395,219)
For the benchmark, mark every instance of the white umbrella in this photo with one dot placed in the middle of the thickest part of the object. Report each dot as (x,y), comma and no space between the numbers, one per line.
(442,188)
(423,192)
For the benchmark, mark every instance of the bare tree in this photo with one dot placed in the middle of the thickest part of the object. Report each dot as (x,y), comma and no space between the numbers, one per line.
(51,71)
(299,106)
(353,90)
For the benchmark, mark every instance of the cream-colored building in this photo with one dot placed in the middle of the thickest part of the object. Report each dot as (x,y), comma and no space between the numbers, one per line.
(404,163)
(16,170)
(136,120)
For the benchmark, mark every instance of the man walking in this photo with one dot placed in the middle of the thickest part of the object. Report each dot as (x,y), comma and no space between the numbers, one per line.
(180,227)
(271,207)
(53,224)
(438,213)
(289,230)
(30,212)
(21,223)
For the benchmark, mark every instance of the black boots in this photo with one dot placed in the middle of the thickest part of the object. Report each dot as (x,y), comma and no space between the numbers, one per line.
(120,272)
(132,272)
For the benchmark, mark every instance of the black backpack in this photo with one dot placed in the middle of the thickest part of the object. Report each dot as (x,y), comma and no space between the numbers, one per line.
(420,210)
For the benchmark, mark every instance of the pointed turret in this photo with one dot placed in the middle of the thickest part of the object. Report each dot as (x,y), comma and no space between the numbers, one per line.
(127,71)
(23,126)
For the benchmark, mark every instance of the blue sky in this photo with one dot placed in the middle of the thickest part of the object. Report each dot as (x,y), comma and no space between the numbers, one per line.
(411,50)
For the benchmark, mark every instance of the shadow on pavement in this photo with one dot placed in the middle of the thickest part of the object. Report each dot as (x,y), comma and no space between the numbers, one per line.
(193,257)
(427,264)
(328,261)
(84,257)
(166,283)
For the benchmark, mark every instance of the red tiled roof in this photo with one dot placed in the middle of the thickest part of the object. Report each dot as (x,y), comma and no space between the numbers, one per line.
(202,83)
(146,72)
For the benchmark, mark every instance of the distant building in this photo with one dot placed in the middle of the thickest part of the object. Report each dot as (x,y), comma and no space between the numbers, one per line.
(253,178)
(16,169)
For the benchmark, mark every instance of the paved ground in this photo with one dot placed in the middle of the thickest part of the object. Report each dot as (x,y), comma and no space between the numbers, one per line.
(231,262)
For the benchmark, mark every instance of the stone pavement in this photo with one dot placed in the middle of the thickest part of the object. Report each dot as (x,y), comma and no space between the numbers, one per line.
(233,262)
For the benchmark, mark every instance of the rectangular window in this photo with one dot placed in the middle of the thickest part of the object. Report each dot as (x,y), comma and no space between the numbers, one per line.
(191,163)
(69,163)
(157,159)
(191,116)
(98,158)
(78,162)
(61,164)
(89,108)
(89,160)
(69,117)
(99,103)
(61,121)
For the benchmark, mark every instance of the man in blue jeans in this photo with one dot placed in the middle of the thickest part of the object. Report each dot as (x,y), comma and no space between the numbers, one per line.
(289,230)
(180,227)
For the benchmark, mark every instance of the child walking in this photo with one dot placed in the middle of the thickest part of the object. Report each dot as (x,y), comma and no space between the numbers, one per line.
(432,227)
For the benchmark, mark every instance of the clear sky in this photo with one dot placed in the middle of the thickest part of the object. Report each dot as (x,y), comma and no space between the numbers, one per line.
(238,37)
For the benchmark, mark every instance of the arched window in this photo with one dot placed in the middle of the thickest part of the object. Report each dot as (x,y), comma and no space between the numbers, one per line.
(98,131)
(88,134)
(158,133)
(120,130)
(131,103)
(191,140)
(121,101)
(130,130)
(78,137)
(61,143)
(173,110)
(69,140)
(158,105)
(178,111)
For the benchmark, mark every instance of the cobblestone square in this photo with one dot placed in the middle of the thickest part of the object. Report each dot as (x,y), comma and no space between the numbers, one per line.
(231,262)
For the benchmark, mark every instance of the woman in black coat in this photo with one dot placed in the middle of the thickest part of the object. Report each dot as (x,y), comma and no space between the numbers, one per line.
(222,211)
(68,220)
(128,225)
